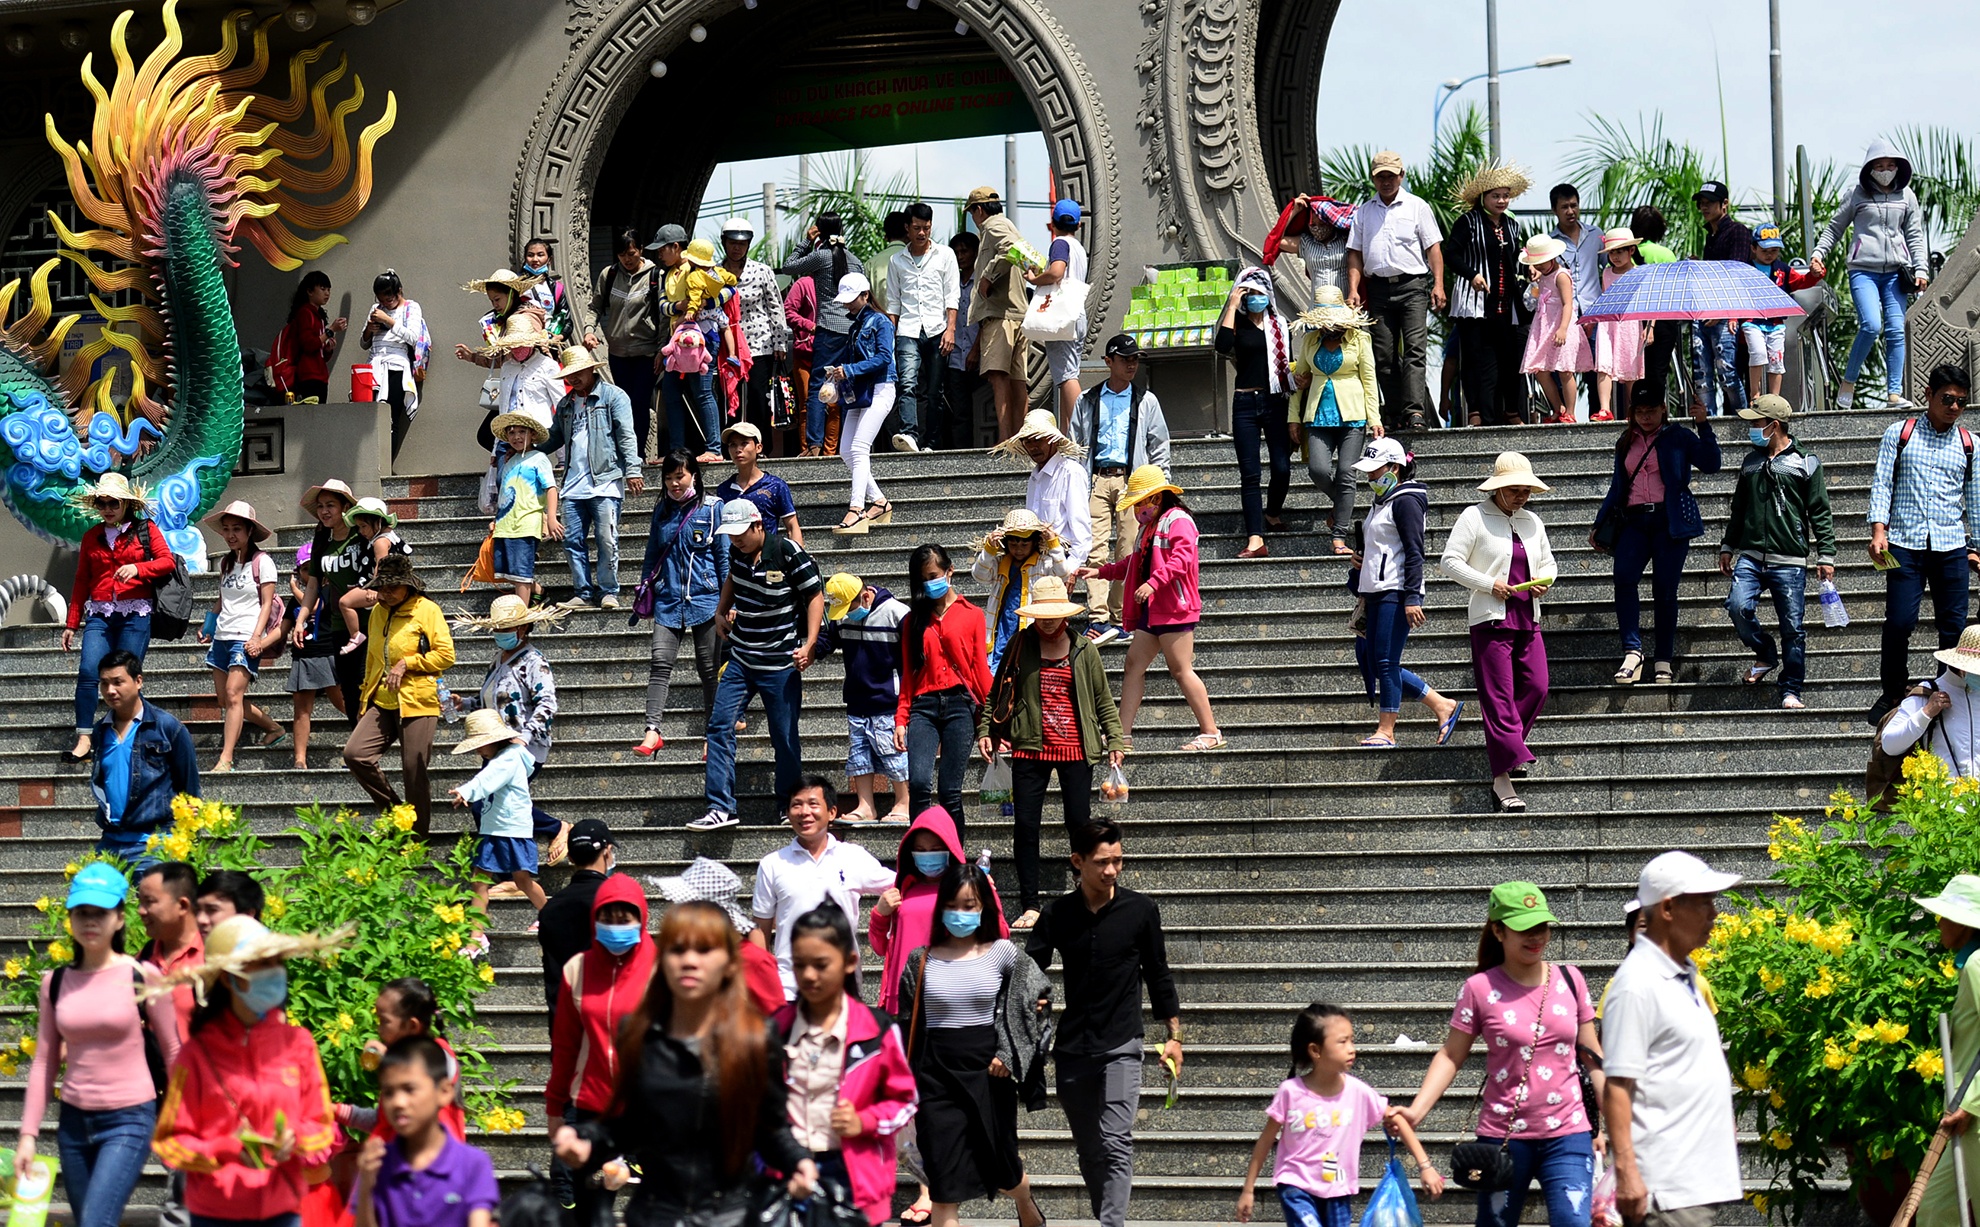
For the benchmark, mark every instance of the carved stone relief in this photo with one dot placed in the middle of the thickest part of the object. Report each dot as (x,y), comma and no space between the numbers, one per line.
(1943,324)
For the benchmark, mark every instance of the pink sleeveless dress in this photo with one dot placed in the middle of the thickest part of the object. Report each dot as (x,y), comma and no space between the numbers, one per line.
(1541,352)
(1618,343)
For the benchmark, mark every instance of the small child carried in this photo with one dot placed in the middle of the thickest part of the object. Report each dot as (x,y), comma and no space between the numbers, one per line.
(506,847)
(379,528)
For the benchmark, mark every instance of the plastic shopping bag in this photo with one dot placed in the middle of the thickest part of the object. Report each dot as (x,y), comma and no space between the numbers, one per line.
(995,786)
(1392,1204)
(1115,787)
(1603,1211)
(1054,314)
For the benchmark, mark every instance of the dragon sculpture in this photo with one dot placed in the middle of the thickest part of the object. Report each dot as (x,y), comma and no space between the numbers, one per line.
(184,158)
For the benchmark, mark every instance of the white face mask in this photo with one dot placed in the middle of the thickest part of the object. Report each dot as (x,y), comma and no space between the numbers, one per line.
(1883,178)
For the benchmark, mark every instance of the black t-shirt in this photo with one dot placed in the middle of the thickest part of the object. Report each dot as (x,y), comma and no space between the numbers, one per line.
(336,566)
(1246,346)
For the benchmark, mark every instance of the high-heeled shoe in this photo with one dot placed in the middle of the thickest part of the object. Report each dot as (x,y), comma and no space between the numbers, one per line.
(853,525)
(885,514)
(646,751)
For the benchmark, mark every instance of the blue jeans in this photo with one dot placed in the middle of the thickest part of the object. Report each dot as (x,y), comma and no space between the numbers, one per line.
(1879,299)
(827,349)
(1254,414)
(918,366)
(1714,346)
(1789,587)
(590,517)
(101,636)
(1904,593)
(944,721)
(1388,631)
(127,844)
(1303,1209)
(677,390)
(103,1155)
(1564,1166)
(1646,541)
(782,702)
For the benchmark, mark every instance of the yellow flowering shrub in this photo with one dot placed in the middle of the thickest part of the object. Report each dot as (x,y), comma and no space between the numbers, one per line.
(410,905)
(1830,990)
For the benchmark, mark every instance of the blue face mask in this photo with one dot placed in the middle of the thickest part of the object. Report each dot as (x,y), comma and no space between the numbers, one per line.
(962,924)
(1384,485)
(266,990)
(1255,304)
(617,939)
(1756,436)
(536,270)
(1971,681)
(857,613)
(930,864)
(935,589)
(508,641)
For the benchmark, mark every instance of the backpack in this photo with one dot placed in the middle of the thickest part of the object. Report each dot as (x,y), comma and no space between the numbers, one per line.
(281,368)
(154,1056)
(1886,771)
(1904,439)
(171,597)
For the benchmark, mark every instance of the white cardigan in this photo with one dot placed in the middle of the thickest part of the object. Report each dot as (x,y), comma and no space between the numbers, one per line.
(1479,554)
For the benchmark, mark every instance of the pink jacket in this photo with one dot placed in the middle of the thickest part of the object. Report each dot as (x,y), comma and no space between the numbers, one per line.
(913,923)
(880,1086)
(1173,572)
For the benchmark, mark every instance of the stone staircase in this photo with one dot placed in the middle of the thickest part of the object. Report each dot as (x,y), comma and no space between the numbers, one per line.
(1290,866)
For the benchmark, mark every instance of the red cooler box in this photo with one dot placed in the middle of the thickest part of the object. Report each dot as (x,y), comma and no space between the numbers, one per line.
(364,384)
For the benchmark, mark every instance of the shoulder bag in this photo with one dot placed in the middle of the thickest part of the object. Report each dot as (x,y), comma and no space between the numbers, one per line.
(172,596)
(1608,524)
(1480,1166)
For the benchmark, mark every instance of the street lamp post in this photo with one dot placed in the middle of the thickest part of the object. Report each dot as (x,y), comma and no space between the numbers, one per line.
(1448,88)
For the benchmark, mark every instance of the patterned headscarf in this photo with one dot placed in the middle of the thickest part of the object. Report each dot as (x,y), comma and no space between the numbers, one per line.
(1280,369)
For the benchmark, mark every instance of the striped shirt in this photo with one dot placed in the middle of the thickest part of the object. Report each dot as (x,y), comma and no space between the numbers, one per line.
(770,592)
(963,992)
(1062,743)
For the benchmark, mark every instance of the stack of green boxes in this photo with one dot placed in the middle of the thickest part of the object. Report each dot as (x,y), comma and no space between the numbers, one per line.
(1180,307)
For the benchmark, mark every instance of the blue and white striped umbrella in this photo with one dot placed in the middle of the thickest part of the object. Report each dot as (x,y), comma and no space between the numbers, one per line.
(1693,290)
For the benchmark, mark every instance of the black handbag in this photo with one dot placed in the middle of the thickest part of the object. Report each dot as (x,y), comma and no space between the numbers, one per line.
(171,596)
(1609,522)
(1480,1166)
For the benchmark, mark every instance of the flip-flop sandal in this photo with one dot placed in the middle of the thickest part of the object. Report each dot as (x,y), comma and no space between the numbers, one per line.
(274,739)
(912,1217)
(1203,742)
(1378,742)
(1449,728)
(1754,673)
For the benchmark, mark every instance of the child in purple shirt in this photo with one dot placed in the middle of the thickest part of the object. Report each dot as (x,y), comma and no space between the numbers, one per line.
(423,1177)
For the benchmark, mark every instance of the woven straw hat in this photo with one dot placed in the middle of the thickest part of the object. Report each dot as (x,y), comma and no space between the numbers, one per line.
(113,485)
(1021,522)
(1330,312)
(1039,424)
(484,728)
(518,282)
(1513,469)
(535,425)
(523,330)
(238,943)
(578,358)
(1966,654)
(1049,600)
(1145,483)
(1491,177)
(506,613)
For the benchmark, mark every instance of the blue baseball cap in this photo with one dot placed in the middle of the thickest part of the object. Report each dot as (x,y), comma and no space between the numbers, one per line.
(1767,235)
(1066,210)
(98,885)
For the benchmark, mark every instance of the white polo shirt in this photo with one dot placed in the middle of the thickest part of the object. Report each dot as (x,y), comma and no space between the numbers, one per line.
(789,883)
(1394,239)
(1657,1030)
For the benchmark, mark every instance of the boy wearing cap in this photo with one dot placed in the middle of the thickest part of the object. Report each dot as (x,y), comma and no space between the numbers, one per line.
(1065,261)
(563,926)
(864,621)
(924,290)
(1713,341)
(998,305)
(593,426)
(1766,340)
(1958,910)
(1121,428)
(771,494)
(1780,507)
(1668,1102)
(769,613)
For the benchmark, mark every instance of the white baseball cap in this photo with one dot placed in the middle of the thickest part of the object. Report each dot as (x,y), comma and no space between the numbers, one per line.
(738,515)
(1680,873)
(1382,451)
(851,286)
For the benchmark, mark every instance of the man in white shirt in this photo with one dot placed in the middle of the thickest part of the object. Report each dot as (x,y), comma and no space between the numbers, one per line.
(1668,1100)
(1059,492)
(1584,261)
(926,289)
(815,868)
(1395,269)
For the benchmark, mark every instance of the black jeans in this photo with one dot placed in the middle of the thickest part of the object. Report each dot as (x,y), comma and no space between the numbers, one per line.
(1254,414)
(395,394)
(1401,307)
(1664,338)
(1945,573)
(955,424)
(636,379)
(944,721)
(1489,353)
(593,1204)
(1029,776)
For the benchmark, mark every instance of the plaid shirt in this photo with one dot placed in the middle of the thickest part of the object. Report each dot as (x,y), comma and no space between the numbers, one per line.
(1926,511)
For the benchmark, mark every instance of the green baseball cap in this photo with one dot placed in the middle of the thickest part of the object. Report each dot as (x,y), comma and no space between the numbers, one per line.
(1519,906)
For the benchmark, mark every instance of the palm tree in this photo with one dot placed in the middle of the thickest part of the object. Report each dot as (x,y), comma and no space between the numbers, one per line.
(1620,170)
(1943,176)
(1459,150)
(862,207)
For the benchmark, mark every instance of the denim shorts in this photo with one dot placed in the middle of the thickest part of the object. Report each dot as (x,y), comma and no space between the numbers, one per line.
(224,654)
(515,559)
(1303,1209)
(870,748)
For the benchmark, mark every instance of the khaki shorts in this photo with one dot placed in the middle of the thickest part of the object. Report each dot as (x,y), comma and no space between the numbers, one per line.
(1000,347)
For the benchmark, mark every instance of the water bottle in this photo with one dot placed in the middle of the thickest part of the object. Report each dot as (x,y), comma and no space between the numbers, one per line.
(448,712)
(1833,613)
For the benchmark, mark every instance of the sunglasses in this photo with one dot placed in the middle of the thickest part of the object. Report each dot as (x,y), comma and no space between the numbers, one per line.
(1952,401)
(102,503)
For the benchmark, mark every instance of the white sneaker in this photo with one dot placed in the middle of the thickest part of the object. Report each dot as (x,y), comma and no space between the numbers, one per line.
(714,820)
(1792,702)
(905,443)
(1898,404)
(608,602)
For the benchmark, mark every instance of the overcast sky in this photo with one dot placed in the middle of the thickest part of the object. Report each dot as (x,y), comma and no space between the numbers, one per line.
(1851,72)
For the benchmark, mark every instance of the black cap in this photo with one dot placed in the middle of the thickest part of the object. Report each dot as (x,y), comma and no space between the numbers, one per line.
(1123,345)
(669,233)
(589,838)
(1712,189)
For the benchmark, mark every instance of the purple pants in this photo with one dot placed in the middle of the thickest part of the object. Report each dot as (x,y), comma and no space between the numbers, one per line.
(1511,667)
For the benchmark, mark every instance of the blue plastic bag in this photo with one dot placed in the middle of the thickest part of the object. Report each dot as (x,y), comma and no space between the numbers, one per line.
(1392,1204)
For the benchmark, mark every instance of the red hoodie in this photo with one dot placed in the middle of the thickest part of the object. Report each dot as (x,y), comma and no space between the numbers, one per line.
(600,990)
(912,924)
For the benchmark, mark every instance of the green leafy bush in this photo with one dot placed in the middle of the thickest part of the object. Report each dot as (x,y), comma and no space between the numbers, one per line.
(412,916)
(1830,993)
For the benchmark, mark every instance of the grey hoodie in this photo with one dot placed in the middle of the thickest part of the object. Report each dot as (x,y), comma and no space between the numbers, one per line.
(1890,227)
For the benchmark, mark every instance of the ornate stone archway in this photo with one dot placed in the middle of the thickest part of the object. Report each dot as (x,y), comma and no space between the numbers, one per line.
(613,41)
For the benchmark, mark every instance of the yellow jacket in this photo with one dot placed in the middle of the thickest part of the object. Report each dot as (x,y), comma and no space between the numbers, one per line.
(394,635)
(1354,384)
(691,288)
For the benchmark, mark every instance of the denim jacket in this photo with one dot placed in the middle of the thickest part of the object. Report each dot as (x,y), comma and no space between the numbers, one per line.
(611,452)
(869,359)
(1679,451)
(162,767)
(686,561)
